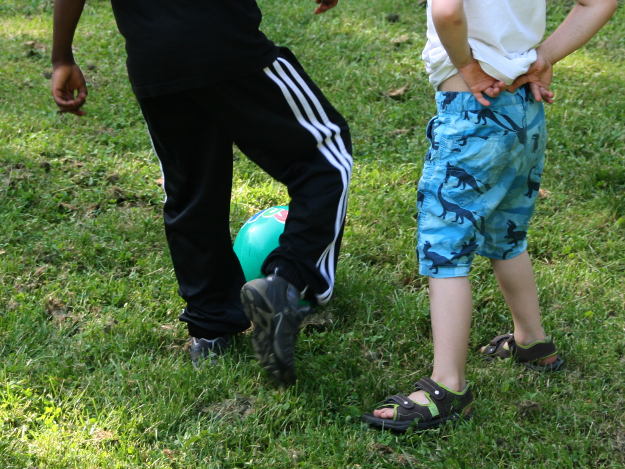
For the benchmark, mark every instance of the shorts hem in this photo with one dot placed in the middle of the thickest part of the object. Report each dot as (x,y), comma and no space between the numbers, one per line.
(505,256)
(445,272)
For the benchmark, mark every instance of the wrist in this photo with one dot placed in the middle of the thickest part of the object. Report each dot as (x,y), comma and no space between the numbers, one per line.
(464,59)
(466,65)
(62,59)
(544,53)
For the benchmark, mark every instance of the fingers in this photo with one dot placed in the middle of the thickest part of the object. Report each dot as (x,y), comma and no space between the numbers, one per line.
(77,112)
(492,88)
(480,82)
(71,110)
(82,93)
(69,89)
(66,101)
(481,99)
(495,89)
(541,93)
(535,88)
(547,95)
(325,5)
(493,92)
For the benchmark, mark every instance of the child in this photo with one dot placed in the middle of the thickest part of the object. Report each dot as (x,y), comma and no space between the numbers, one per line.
(479,184)
(206,77)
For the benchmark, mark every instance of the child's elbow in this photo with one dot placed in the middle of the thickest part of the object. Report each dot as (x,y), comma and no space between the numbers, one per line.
(447,12)
(608,6)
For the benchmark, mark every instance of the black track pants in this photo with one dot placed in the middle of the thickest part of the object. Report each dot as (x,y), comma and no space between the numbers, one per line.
(281,121)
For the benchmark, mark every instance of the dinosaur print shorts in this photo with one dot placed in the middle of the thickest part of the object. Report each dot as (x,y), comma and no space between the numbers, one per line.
(480,180)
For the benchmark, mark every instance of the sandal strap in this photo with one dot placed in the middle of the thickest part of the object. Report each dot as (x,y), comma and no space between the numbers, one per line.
(401,400)
(445,401)
(534,352)
(501,338)
(495,347)
(432,388)
(406,409)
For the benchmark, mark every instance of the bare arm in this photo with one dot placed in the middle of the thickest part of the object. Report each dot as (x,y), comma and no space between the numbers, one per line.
(69,89)
(581,24)
(451,26)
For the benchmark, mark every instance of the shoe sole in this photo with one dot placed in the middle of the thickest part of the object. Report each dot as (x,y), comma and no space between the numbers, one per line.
(262,316)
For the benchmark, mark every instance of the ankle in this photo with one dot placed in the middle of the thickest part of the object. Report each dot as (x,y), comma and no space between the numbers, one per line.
(525,338)
(455,383)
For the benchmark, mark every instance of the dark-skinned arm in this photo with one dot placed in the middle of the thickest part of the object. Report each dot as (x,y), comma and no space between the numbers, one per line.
(69,89)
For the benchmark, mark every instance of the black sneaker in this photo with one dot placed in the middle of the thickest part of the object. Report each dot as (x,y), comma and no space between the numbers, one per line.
(203,349)
(272,304)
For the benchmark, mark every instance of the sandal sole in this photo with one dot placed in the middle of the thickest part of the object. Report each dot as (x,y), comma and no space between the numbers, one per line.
(402,427)
(555,366)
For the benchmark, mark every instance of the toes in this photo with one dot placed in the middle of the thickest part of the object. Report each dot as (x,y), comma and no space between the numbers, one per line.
(383,413)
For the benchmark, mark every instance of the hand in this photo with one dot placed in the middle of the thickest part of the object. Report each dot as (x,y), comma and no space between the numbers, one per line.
(480,82)
(325,5)
(69,89)
(539,77)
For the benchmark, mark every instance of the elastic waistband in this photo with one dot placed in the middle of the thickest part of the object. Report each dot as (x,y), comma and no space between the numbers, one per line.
(458,101)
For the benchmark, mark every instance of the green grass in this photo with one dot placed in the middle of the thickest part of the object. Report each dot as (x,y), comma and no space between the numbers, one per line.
(93,371)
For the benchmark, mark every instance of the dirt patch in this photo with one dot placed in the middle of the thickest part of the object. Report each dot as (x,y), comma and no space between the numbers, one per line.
(236,408)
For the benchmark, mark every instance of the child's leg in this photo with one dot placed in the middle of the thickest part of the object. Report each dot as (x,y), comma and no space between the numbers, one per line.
(516,280)
(450,311)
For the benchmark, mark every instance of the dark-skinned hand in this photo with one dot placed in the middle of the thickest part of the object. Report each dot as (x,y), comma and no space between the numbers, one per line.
(325,5)
(69,88)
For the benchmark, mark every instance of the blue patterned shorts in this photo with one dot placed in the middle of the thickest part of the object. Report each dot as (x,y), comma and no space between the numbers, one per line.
(480,180)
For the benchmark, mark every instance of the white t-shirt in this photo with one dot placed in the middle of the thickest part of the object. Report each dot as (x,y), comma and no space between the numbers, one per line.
(503,35)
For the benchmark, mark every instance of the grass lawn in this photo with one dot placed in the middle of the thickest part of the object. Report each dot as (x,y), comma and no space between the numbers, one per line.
(93,370)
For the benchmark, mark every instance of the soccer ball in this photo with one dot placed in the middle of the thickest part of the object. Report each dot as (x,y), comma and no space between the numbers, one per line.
(258,237)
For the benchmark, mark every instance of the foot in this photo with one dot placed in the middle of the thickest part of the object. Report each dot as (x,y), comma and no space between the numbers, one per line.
(203,349)
(400,413)
(539,355)
(272,304)
(418,397)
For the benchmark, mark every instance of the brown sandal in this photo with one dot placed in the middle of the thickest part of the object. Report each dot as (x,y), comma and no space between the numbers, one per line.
(504,346)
